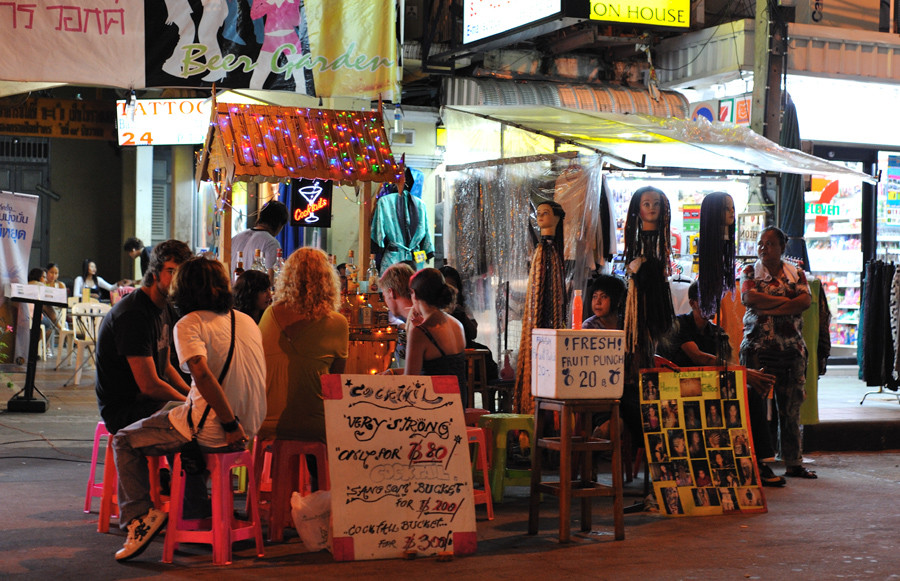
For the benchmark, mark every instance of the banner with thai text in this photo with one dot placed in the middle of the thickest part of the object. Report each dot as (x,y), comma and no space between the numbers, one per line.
(314,47)
(17,214)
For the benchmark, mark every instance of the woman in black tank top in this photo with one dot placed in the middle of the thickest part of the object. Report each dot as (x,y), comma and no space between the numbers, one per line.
(436,342)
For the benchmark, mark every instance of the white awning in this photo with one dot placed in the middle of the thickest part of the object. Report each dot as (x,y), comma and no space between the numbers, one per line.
(664,143)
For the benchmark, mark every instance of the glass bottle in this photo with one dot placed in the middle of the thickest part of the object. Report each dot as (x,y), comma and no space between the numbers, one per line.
(258,263)
(352,274)
(372,275)
(239,269)
(279,263)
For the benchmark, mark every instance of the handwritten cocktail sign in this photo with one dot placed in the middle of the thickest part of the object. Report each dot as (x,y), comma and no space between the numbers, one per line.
(398,458)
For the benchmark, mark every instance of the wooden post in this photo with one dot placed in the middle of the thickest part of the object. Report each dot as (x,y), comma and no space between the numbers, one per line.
(365,228)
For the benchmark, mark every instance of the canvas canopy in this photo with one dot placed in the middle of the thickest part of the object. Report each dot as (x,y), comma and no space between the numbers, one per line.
(644,141)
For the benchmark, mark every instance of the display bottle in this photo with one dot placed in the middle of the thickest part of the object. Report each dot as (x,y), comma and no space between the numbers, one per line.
(577,313)
(382,315)
(352,274)
(372,275)
(507,372)
(258,263)
(239,269)
(366,313)
(279,263)
(347,310)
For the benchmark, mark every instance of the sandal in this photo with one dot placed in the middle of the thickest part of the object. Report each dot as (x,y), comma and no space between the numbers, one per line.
(800,472)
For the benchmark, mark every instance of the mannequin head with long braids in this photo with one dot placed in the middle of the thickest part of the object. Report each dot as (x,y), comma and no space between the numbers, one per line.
(550,216)
(716,250)
(648,211)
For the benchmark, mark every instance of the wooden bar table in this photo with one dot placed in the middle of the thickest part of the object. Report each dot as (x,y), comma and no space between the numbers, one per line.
(585,487)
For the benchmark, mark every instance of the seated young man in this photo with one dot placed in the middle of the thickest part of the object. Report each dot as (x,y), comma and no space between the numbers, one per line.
(695,341)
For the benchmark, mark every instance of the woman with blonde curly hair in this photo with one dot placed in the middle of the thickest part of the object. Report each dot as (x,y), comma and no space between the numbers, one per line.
(304,337)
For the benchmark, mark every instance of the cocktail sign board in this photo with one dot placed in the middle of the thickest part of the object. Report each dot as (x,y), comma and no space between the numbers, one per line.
(698,441)
(398,458)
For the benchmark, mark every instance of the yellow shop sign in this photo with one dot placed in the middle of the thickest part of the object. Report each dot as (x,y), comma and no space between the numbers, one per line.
(644,12)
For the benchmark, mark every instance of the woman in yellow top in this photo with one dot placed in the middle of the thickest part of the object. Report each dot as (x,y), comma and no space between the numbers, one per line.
(304,337)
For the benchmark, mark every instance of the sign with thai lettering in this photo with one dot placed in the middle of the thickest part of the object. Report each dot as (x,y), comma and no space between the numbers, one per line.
(398,459)
(17,212)
(162,121)
(61,118)
(311,203)
(346,48)
(644,12)
(697,437)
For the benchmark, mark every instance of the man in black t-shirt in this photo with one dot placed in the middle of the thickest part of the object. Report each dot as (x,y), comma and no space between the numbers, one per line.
(134,247)
(135,375)
(697,341)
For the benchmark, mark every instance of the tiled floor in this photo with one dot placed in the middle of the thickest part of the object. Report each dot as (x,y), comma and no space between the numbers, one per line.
(840,391)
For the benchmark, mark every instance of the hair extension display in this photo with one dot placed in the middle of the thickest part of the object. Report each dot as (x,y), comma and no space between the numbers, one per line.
(717,251)
(545,304)
(648,307)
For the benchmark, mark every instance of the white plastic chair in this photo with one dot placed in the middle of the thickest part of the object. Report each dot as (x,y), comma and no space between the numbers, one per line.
(86,319)
(65,340)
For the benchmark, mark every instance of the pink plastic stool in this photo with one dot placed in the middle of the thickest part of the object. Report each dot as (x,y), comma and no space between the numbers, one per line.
(109,507)
(288,473)
(94,488)
(225,527)
(476,436)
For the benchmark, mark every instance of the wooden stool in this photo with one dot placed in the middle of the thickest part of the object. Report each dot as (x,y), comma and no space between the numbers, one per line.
(225,528)
(496,427)
(476,375)
(585,487)
(476,437)
(289,473)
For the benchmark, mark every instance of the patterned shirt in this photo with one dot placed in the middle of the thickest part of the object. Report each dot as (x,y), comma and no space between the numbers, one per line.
(773,332)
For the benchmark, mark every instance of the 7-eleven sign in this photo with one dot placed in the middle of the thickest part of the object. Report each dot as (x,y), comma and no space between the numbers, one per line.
(829,190)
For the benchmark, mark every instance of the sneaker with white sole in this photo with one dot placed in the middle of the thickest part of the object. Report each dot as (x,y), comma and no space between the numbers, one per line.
(140,532)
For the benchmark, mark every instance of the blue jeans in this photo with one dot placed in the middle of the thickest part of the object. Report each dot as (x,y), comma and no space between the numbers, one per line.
(153,436)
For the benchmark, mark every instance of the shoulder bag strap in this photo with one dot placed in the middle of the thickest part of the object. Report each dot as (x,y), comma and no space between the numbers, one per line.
(221,378)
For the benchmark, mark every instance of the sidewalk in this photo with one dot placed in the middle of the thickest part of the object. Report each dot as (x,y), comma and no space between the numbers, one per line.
(839,526)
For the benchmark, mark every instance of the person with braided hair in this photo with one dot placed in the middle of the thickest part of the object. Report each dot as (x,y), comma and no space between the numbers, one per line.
(545,304)
(716,250)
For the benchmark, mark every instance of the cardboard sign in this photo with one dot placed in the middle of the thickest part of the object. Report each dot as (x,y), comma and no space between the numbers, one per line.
(398,458)
(582,364)
(698,441)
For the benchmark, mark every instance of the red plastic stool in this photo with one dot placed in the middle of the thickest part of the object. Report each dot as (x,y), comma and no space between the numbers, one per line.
(94,488)
(472,415)
(476,436)
(287,474)
(225,527)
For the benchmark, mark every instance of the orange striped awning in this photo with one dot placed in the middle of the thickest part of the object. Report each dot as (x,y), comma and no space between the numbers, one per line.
(268,143)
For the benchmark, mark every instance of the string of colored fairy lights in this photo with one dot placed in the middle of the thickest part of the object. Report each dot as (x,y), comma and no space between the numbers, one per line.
(272,143)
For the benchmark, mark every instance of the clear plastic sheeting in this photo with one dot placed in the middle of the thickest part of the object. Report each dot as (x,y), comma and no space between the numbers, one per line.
(491,232)
(652,142)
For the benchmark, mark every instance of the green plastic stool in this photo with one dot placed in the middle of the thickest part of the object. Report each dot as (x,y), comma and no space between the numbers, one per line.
(498,426)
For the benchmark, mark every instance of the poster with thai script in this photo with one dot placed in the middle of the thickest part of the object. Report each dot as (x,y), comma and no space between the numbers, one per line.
(17,214)
(311,47)
(698,441)
(398,459)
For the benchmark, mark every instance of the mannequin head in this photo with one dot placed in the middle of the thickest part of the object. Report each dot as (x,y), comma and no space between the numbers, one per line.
(549,218)
(649,209)
(647,212)
(716,250)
